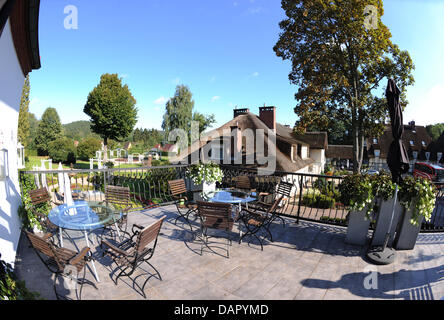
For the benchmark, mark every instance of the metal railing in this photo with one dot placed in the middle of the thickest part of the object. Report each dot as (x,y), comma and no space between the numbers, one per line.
(313,197)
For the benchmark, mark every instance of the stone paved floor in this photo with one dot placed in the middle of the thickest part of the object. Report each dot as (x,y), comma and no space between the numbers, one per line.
(305,261)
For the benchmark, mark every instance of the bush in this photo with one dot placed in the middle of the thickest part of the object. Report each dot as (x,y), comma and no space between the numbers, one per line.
(62,150)
(27,217)
(320,201)
(87,148)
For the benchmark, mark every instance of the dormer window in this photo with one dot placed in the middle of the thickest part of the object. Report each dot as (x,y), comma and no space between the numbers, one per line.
(424,143)
(375,141)
(412,143)
(377,153)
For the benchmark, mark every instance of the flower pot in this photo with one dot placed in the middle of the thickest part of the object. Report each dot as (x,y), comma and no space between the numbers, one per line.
(203,189)
(383,221)
(407,233)
(357,227)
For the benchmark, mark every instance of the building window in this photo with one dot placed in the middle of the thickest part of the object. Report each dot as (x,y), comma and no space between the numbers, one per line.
(424,143)
(375,141)
(411,143)
(377,153)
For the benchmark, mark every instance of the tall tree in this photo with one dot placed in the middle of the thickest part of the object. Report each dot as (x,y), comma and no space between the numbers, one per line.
(23,120)
(48,130)
(179,113)
(111,107)
(341,52)
(435,130)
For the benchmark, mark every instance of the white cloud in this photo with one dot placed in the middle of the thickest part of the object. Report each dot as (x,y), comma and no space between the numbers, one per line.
(160,100)
(215,98)
(428,108)
(255,74)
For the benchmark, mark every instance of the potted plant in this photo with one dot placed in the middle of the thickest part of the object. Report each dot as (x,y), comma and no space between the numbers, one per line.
(204,177)
(417,195)
(384,193)
(356,193)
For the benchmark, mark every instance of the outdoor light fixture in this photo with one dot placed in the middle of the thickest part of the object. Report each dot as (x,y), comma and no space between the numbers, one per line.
(4,170)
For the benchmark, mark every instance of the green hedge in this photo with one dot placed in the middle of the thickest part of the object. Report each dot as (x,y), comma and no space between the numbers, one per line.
(321,201)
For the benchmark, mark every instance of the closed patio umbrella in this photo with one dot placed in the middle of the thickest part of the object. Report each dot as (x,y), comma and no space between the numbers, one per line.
(61,180)
(398,163)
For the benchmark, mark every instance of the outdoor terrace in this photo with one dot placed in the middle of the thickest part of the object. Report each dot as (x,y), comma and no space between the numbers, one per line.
(308,259)
(305,261)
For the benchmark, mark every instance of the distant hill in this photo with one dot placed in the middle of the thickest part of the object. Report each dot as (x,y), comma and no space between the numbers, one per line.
(79,130)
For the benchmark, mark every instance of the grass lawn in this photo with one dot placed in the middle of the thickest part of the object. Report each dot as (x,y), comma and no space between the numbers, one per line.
(80,164)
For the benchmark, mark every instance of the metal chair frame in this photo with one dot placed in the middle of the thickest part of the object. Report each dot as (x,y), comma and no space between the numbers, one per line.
(217,216)
(119,196)
(131,253)
(58,258)
(284,189)
(178,190)
(254,220)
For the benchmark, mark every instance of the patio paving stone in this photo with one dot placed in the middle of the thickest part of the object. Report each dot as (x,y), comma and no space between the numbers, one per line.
(305,261)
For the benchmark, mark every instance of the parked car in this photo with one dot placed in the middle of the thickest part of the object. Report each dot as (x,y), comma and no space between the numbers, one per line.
(433,172)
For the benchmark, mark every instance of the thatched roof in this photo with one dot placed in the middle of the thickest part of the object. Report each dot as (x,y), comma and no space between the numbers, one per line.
(251,121)
(339,152)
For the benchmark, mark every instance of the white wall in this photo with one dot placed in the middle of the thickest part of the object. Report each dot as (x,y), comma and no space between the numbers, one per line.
(318,155)
(11,83)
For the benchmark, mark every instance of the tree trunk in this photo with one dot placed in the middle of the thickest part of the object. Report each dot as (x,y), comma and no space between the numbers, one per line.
(355,135)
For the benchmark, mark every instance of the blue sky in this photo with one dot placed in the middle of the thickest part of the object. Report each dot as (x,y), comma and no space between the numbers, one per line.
(221,49)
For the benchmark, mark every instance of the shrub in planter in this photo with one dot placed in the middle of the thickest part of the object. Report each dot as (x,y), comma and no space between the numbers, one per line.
(205,172)
(62,150)
(27,217)
(419,194)
(356,192)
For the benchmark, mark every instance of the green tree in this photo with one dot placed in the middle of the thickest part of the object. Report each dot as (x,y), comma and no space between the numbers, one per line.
(340,53)
(62,150)
(23,120)
(48,130)
(111,107)
(435,130)
(179,113)
(87,148)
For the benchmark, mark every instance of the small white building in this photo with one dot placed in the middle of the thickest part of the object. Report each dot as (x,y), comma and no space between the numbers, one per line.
(19,55)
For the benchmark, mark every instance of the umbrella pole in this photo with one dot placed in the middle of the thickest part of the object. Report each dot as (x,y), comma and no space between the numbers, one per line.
(385,255)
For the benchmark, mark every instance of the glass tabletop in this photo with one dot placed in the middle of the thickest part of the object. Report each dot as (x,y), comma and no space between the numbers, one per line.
(230,196)
(83,215)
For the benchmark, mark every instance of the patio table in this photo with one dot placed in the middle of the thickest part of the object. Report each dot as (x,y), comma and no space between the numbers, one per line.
(84,216)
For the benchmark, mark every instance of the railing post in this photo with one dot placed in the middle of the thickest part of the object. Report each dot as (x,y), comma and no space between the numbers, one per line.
(300,198)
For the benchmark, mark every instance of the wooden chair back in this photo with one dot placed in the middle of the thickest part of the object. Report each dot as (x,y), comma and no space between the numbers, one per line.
(39,196)
(43,246)
(148,235)
(284,189)
(215,215)
(177,187)
(242,182)
(118,195)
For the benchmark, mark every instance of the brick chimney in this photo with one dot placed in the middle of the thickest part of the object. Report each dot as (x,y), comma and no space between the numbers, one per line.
(268,116)
(238,112)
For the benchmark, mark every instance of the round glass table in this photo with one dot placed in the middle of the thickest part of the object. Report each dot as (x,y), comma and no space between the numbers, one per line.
(83,216)
(230,196)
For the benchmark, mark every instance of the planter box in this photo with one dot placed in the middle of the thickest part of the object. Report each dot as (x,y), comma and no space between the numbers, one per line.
(407,233)
(383,221)
(357,228)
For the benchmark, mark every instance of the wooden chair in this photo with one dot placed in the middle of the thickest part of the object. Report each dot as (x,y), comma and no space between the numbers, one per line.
(283,190)
(61,261)
(131,253)
(40,197)
(243,183)
(254,220)
(178,192)
(217,216)
(120,198)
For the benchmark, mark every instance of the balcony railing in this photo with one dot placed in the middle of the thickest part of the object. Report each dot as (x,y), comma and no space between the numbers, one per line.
(313,197)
